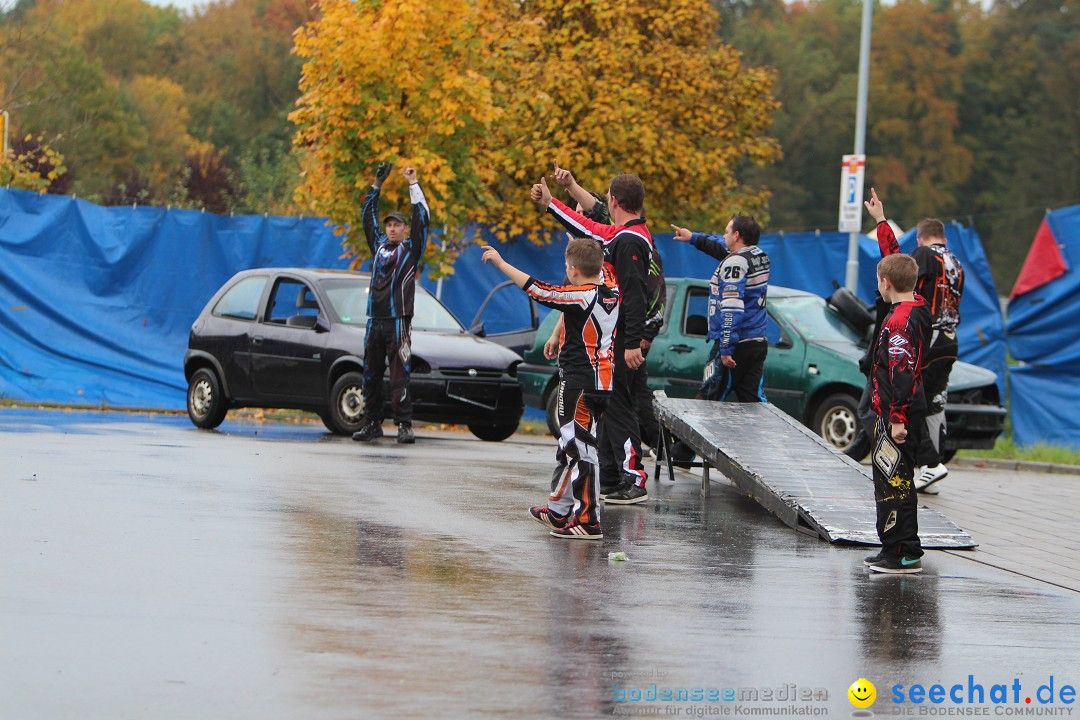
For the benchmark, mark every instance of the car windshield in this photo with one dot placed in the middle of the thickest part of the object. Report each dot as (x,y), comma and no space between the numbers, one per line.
(349,296)
(813,319)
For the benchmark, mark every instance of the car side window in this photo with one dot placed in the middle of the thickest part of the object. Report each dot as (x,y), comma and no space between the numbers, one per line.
(696,318)
(293,303)
(242,300)
(507,310)
(670,303)
(774,334)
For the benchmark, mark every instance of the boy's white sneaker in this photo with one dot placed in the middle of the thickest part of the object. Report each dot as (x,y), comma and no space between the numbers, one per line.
(927,480)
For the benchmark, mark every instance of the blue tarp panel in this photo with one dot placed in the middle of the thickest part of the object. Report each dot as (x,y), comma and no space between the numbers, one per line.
(1045,389)
(96,303)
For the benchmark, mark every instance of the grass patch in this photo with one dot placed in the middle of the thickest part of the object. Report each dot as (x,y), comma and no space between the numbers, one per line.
(1006,449)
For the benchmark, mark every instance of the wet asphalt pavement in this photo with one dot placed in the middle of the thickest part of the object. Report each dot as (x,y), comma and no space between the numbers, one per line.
(152,570)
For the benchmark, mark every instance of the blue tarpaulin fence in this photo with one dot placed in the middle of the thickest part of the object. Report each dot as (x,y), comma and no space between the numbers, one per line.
(1044,336)
(96,303)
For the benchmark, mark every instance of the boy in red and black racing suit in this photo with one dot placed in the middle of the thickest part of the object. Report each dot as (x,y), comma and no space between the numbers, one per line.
(900,405)
(590,308)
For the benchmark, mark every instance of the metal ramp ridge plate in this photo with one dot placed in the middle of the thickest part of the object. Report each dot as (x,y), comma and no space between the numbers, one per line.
(791,471)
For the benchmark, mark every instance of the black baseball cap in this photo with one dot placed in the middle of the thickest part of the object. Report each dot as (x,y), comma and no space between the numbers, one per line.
(396,216)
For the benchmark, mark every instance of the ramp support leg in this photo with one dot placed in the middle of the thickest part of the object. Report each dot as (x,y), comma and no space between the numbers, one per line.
(663,455)
(706,484)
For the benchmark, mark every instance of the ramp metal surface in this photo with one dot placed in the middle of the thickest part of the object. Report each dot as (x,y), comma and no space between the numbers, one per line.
(791,471)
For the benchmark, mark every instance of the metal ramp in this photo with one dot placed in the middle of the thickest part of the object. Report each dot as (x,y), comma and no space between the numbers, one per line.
(790,471)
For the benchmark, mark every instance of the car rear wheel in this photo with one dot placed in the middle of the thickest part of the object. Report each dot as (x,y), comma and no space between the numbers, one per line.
(837,422)
(551,411)
(346,412)
(496,432)
(206,403)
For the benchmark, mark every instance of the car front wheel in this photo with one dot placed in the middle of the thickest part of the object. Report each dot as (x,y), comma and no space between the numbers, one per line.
(206,403)
(493,432)
(837,422)
(346,412)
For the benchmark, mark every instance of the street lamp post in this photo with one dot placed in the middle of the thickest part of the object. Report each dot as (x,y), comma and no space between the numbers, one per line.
(851,281)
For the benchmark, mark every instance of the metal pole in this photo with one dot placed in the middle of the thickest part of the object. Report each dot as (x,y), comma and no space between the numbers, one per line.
(438,283)
(851,280)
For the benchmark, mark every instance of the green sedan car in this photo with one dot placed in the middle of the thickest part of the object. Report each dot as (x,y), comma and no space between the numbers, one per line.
(812,370)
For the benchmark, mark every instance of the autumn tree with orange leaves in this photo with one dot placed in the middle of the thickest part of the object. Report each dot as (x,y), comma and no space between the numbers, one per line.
(483,96)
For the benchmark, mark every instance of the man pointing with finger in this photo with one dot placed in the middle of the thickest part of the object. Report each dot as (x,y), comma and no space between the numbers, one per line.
(737,317)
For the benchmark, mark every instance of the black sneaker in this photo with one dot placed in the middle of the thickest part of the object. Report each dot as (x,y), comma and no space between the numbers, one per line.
(871,559)
(405,434)
(629,494)
(898,565)
(606,490)
(543,515)
(369,431)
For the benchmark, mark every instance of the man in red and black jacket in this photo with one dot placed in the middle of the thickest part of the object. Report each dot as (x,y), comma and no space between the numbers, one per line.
(628,248)
(595,208)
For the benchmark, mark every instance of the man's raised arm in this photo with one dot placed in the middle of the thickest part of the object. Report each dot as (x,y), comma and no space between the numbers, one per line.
(421,216)
(370,211)
(575,222)
(886,238)
(707,244)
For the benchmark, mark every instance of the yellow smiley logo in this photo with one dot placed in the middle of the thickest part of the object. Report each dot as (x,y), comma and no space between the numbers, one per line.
(862,693)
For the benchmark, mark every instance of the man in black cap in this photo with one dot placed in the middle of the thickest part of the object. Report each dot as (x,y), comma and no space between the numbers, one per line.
(395,257)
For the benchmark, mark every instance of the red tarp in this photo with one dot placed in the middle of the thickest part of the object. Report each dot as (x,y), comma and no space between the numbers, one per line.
(1044,262)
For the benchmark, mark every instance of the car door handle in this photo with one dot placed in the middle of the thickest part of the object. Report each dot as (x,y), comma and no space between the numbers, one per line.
(256,340)
(681,348)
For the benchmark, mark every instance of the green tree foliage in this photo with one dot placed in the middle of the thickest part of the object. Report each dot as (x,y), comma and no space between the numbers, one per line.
(148,104)
(973,114)
(915,157)
(1020,110)
(814,50)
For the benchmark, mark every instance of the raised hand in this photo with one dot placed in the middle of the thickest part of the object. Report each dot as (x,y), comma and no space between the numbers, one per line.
(540,193)
(410,175)
(874,206)
(563,178)
(681,234)
(382,172)
(491,255)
